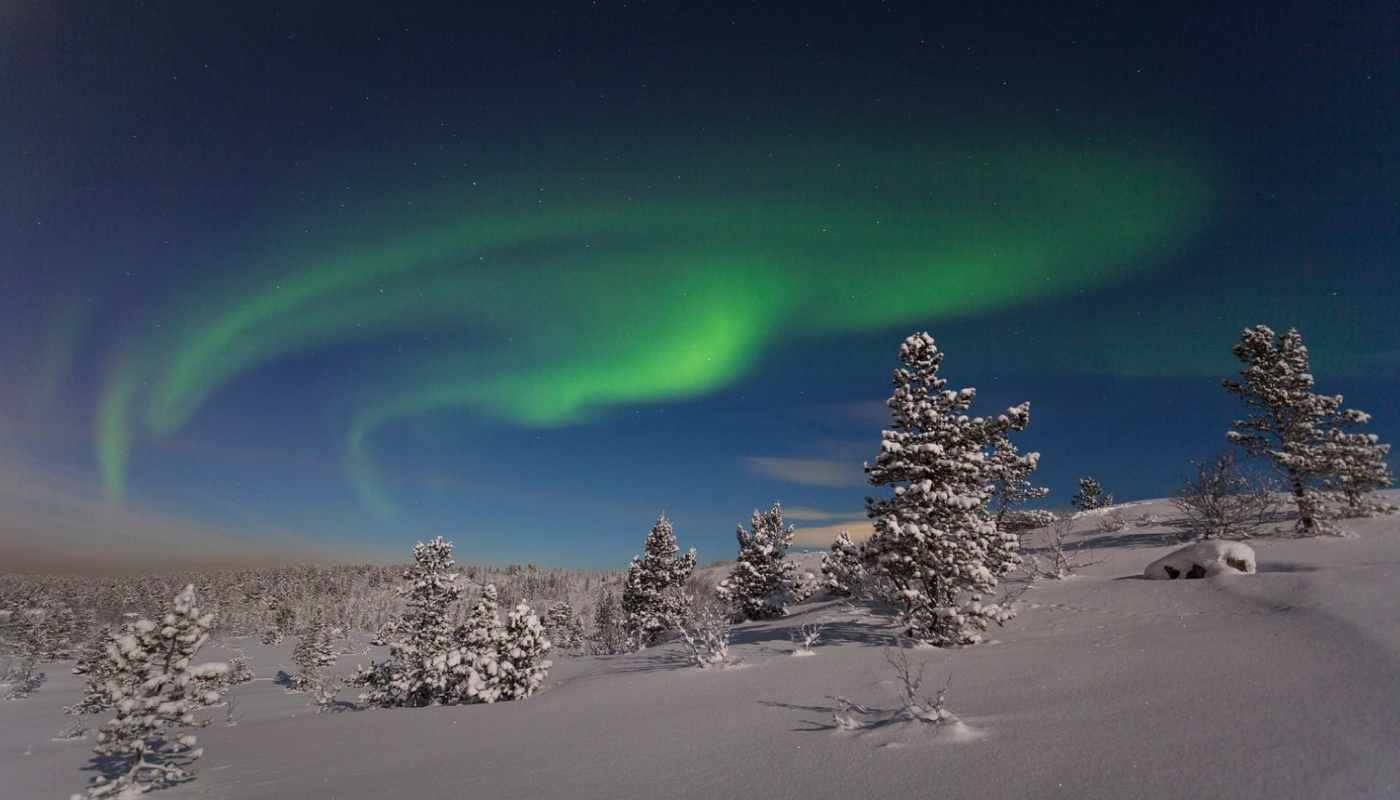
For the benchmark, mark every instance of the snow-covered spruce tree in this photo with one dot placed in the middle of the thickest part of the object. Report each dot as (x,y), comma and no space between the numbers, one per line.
(34,636)
(93,658)
(1090,496)
(155,691)
(521,657)
(1302,433)
(1011,486)
(653,596)
(935,542)
(761,583)
(416,673)
(609,633)
(1357,470)
(563,626)
(56,630)
(96,663)
(281,618)
(475,658)
(313,651)
(239,670)
(843,568)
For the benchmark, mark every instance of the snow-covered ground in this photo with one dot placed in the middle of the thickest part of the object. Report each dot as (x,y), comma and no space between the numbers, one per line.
(1280,684)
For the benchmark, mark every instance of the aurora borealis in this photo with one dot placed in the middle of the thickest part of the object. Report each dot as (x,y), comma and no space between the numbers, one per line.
(318,288)
(605,305)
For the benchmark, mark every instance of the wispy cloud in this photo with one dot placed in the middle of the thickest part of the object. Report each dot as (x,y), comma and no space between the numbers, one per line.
(810,471)
(802,513)
(822,536)
(55,521)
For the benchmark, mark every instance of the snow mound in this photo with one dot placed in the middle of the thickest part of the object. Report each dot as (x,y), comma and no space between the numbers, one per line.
(1203,560)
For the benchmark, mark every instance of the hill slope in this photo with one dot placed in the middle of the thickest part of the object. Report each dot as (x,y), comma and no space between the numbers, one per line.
(1280,684)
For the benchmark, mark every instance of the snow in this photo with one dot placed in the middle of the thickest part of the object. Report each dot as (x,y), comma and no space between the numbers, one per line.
(1281,685)
(1203,560)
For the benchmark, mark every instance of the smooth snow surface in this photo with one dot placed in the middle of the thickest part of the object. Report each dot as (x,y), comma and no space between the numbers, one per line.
(1282,685)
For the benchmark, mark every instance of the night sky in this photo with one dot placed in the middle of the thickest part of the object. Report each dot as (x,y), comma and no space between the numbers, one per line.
(306,281)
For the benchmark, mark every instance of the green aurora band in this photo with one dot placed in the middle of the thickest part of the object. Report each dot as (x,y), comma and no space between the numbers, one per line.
(616,291)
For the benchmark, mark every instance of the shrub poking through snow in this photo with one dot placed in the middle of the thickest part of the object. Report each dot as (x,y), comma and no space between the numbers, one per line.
(1112,521)
(1203,559)
(804,638)
(915,708)
(761,584)
(936,549)
(706,634)
(1056,557)
(653,597)
(1220,501)
(155,691)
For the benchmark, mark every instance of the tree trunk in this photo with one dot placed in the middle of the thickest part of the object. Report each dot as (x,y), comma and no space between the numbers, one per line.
(1300,499)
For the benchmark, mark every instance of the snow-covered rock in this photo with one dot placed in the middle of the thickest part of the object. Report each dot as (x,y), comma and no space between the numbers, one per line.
(1202,560)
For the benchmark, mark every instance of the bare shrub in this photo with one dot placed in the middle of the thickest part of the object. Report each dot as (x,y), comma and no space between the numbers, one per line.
(1220,501)
(917,706)
(23,677)
(914,706)
(231,715)
(1112,521)
(1056,557)
(805,638)
(706,634)
(324,692)
(77,729)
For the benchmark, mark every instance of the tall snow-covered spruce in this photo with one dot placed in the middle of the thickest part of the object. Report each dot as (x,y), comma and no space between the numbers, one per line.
(936,546)
(523,666)
(474,660)
(1305,434)
(313,650)
(653,596)
(155,691)
(609,629)
(761,584)
(416,672)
